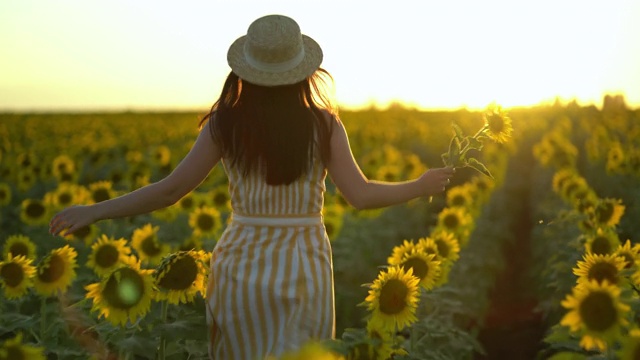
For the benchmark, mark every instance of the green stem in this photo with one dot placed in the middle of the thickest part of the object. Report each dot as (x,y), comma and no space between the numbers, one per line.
(163,340)
(43,317)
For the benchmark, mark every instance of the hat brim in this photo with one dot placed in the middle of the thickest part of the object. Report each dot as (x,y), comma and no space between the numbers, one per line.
(309,64)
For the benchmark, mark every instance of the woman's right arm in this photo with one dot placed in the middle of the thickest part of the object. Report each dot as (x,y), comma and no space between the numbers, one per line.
(363,193)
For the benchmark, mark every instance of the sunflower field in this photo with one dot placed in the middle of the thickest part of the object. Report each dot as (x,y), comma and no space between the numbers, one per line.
(532,252)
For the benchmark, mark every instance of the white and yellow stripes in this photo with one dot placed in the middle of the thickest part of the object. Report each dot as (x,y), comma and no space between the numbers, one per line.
(271,281)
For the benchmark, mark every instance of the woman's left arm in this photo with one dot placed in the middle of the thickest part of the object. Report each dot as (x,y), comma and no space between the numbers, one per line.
(190,173)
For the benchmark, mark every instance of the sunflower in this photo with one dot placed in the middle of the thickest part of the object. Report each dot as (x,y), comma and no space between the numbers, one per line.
(146,243)
(5,194)
(187,203)
(100,191)
(205,221)
(572,185)
(16,275)
(64,195)
(14,349)
(560,178)
(498,124)
(312,350)
(56,271)
(600,268)
(33,212)
(615,157)
(382,347)
(181,276)
(459,196)
(106,254)
(399,251)
(596,313)
(19,245)
(86,233)
(630,349)
(629,253)
(602,241)
(389,172)
(161,155)
(124,294)
(428,246)
(63,167)
(393,298)
(447,244)
(456,221)
(220,198)
(607,212)
(26,179)
(424,266)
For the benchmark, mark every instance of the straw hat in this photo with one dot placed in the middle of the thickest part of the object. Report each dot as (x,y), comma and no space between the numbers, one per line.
(274,52)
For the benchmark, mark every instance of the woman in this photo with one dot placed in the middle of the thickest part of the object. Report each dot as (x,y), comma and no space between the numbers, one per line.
(273,128)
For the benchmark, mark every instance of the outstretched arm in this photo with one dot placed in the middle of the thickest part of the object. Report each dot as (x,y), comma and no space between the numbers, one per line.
(191,171)
(363,193)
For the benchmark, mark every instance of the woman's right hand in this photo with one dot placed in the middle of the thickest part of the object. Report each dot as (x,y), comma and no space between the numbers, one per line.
(435,180)
(72,219)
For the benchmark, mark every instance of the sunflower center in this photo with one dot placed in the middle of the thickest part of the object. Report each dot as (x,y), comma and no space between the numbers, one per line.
(107,256)
(82,232)
(100,194)
(15,352)
(64,198)
(150,246)
(186,203)
(600,245)
(53,270)
(19,249)
(12,274)
(180,274)
(451,221)
(205,222)
(496,124)
(34,210)
(603,271)
(419,266)
(220,199)
(443,248)
(124,289)
(3,194)
(604,212)
(393,296)
(598,311)
(458,200)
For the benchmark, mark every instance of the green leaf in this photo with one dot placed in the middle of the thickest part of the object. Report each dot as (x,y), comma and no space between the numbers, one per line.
(475,164)
(565,355)
(454,151)
(475,144)
(457,130)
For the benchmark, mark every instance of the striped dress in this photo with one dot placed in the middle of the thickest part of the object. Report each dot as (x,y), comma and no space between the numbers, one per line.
(271,283)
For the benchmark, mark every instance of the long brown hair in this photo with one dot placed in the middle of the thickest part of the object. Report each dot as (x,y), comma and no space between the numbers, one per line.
(274,130)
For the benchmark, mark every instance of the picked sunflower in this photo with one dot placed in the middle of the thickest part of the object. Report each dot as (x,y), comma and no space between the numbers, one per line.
(13,348)
(107,253)
(205,221)
(181,275)
(19,245)
(596,313)
(498,124)
(600,268)
(5,194)
(16,275)
(393,298)
(56,271)
(146,243)
(124,294)
(33,212)
(602,241)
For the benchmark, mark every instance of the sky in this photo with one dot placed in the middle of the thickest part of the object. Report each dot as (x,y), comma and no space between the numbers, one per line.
(78,55)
